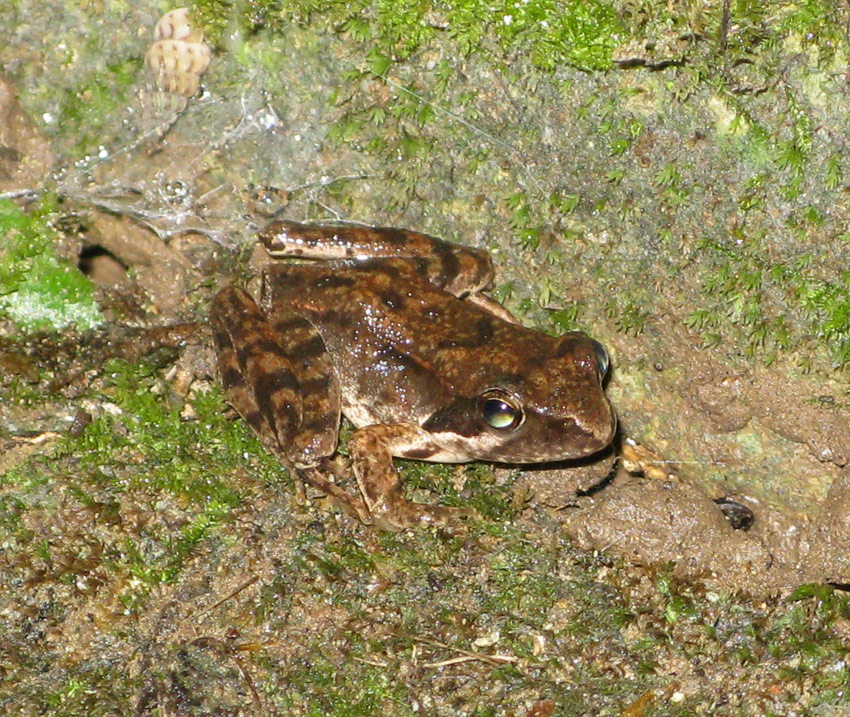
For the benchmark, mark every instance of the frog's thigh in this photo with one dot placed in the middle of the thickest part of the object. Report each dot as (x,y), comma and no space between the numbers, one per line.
(262,383)
(318,431)
(241,336)
(371,449)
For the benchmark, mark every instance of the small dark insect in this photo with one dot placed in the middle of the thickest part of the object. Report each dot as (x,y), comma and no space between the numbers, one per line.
(739,516)
(78,425)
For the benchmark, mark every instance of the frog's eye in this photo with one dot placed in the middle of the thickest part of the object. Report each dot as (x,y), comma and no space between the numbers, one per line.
(602,358)
(501,410)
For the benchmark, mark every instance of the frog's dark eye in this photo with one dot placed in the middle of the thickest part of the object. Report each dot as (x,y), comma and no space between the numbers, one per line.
(500,410)
(602,358)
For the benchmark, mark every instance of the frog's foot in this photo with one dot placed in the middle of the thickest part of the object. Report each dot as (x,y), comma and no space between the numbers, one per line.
(352,505)
(396,513)
(403,514)
(372,449)
(338,466)
(491,306)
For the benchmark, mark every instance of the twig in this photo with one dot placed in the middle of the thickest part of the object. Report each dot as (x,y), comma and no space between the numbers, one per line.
(467,654)
(248,583)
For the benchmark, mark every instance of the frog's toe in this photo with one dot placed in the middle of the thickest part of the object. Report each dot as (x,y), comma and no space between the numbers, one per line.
(349,504)
(415,515)
(338,466)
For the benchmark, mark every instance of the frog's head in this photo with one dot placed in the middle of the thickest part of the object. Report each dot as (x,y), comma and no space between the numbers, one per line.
(554,409)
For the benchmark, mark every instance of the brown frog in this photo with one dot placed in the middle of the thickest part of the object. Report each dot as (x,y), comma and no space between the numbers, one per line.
(390,328)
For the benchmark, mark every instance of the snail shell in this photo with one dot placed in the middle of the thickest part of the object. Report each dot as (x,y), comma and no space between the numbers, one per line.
(175,25)
(178,56)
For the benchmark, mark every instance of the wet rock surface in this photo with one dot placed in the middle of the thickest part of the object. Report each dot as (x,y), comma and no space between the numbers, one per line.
(25,153)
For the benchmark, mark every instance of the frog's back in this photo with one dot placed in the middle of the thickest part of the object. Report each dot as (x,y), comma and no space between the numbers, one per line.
(397,337)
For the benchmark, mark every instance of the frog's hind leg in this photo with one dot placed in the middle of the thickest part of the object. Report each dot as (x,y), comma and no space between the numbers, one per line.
(279,378)
(491,306)
(460,270)
(316,437)
(248,358)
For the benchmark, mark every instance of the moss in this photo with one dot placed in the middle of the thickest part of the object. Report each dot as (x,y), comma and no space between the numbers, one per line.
(180,466)
(38,290)
(399,121)
(573,621)
(327,689)
(582,34)
(752,26)
(88,109)
(779,304)
(629,314)
(764,290)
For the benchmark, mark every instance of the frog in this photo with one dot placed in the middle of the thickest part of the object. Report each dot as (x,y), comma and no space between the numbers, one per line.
(394,330)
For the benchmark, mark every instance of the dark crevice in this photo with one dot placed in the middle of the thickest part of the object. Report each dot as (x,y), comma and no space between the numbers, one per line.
(90,255)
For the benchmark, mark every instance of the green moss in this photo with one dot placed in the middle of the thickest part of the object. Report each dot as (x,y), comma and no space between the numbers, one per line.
(779,304)
(37,289)
(327,689)
(88,109)
(753,26)
(183,466)
(382,601)
(581,33)
(629,312)
(814,23)
(97,692)
(564,320)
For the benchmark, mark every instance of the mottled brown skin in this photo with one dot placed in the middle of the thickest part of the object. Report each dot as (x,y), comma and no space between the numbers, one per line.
(389,327)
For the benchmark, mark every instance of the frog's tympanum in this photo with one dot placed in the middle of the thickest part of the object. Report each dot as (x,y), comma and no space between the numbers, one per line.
(390,328)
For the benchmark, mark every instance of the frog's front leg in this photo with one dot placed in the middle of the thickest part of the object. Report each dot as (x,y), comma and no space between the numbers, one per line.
(371,450)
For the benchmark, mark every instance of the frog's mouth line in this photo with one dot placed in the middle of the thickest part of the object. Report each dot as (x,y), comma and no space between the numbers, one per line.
(490,446)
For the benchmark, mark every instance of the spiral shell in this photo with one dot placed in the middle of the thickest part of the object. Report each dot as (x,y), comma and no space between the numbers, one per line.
(178,56)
